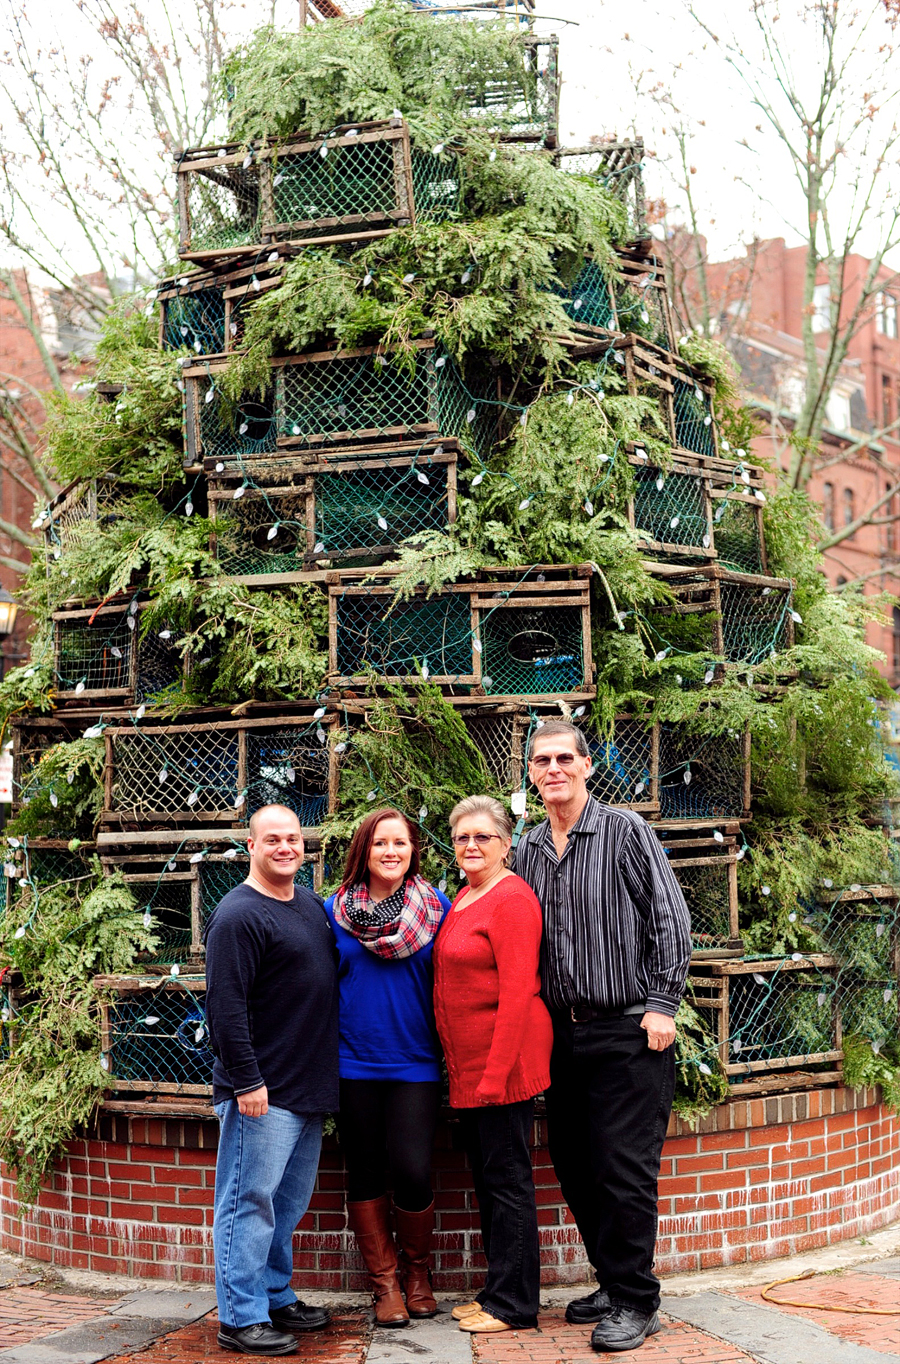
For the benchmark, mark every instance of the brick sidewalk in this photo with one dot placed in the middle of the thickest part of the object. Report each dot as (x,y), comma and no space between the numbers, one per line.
(26,1314)
(844,1290)
(558,1343)
(345,1342)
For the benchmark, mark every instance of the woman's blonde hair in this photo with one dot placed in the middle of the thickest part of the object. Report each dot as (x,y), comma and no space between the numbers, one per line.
(483,805)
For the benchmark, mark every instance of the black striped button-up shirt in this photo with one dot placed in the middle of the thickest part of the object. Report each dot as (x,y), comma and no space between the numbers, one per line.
(616,927)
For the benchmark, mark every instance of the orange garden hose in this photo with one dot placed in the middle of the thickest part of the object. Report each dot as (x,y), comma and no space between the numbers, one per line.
(822,1306)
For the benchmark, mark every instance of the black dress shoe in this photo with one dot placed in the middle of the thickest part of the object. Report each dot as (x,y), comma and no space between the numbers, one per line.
(296,1316)
(583,1310)
(260,1339)
(624,1328)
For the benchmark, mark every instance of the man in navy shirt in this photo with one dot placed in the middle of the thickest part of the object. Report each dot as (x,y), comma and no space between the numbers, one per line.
(272,1012)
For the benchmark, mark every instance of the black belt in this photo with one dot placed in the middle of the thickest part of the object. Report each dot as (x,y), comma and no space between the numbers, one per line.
(586,1013)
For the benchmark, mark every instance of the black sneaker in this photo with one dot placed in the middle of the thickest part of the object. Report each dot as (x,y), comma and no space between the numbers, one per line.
(624,1328)
(584,1310)
(296,1316)
(260,1339)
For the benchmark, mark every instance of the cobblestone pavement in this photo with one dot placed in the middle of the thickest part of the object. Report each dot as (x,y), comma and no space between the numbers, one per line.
(714,1323)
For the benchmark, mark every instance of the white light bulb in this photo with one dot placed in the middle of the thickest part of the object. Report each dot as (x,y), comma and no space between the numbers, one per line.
(589,507)
(382,523)
(423,478)
(479,478)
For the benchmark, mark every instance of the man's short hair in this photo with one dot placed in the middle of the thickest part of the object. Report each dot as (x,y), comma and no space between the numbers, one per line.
(263,809)
(550,727)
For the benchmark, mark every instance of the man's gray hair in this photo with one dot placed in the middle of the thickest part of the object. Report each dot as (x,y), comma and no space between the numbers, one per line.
(551,727)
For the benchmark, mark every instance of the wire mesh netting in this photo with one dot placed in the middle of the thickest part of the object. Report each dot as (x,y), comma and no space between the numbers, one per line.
(158,1039)
(437,188)
(194,771)
(498,739)
(671,508)
(355,510)
(860,929)
(365,395)
(619,168)
(588,300)
(641,309)
(768,1015)
(755,620)
(709,890)
(222,430)
(623,764)
(701,776)
(94,656)
(47,865)
(218,875)
(532,651)
(693,419)
(224,204)
(434,635)
(90,499)
(194,318)
(166,898)
(869,1009)
(289,767)
(738,534)
(520,100)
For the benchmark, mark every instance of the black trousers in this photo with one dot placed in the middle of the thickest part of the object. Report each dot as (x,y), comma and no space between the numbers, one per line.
(386,1130)
(607,1109)
(497,1141)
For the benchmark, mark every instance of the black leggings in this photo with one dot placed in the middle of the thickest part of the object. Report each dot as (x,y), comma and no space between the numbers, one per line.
(386,1129)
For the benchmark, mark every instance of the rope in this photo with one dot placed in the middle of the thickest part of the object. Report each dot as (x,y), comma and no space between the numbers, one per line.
(822,1306)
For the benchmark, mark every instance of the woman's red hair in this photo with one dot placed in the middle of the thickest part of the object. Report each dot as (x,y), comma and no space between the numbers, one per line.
(356,867)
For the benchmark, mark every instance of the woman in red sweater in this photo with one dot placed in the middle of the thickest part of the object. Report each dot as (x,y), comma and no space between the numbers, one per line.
(497,1036)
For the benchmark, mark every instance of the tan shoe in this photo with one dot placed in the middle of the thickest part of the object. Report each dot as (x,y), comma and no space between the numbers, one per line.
(483,1321)
(465,1309)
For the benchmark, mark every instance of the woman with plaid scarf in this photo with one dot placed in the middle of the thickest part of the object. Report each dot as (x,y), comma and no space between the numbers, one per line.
(385,917)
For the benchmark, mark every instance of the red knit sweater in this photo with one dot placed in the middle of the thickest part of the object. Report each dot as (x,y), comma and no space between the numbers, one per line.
(493,1025)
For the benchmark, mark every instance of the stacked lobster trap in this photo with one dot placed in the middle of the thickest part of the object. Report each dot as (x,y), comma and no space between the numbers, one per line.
(320,478)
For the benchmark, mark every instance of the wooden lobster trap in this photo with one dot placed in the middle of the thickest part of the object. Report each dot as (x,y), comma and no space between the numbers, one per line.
(618,166)
(210,769)
(205,311)
(777,1021)
(301,510)
(33,864)
(860,927)
(671,509)
(703,777)
(32,737)
(154,1036)
(685,402)
(744,618)
(624,762)
(521,104)
(101,653)
(332,400)
(179,879)
(355,183)
(513,634)
(706,869)
(81,502)
(633,301)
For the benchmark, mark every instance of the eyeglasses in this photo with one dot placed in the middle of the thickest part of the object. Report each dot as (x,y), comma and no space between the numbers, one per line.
(543,760)
(461,840)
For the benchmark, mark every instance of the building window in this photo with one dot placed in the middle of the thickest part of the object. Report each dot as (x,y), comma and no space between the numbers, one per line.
(828,505)
(886,314)
(841,582)
(847,499)
(821,316)
(896,634)
(837,412)
(886,403)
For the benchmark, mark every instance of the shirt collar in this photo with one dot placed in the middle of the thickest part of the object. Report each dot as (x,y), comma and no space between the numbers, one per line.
(588,822)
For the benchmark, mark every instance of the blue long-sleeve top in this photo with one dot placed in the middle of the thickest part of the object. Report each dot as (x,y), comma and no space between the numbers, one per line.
(386,1012)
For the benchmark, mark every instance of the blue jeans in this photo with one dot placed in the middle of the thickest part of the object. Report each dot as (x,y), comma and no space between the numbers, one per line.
(265,1173)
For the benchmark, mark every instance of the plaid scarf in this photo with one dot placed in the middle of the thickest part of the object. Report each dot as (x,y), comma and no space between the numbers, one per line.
(404,933)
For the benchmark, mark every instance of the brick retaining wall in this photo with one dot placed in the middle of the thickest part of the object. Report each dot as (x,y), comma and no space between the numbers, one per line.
(759,1179)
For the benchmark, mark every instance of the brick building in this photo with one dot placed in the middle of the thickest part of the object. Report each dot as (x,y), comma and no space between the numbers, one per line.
(759,302)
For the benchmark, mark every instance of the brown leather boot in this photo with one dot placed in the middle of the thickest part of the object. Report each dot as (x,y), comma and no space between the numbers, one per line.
(414,1236)
(369,1222)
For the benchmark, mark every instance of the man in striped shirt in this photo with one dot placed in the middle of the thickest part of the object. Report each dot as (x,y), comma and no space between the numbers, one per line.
(614,959)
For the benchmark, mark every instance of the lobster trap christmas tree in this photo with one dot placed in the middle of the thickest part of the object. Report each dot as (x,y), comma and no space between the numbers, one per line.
(408,455)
